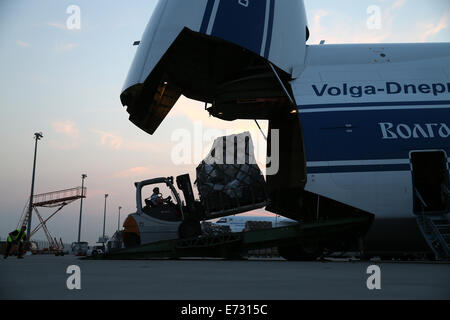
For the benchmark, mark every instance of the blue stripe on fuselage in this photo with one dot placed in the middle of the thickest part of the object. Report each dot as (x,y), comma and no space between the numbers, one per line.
(241,25)
(270,29)
(207,16)
(359,168)
(357,135)
(373,104)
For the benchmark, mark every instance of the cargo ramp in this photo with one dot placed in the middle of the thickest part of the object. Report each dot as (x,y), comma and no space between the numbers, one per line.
(233,245)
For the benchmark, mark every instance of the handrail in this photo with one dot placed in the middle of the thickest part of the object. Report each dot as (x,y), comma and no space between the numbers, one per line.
(419,196)
(437,234)
(60,195)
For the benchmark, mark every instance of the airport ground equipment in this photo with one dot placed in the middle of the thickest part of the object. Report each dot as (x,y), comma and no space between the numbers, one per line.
(54,247)
(80,248)
(233,245)
(229,183)
(436,230)
(58,200)
(173,230)
(176,219)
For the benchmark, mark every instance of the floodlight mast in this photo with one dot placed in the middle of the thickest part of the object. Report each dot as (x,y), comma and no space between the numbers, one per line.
(118,223)
(104,219)
(83,176)
(37,136)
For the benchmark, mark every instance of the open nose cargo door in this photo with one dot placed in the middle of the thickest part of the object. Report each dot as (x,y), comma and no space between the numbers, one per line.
(218,52)
(239,58)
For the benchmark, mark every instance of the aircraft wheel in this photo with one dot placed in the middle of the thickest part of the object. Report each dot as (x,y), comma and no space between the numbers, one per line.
(189,229)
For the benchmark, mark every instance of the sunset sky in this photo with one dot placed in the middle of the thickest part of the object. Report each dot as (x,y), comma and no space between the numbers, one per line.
(67,83)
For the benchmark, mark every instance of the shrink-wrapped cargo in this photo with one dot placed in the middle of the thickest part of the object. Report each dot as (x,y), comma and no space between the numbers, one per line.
(229,177)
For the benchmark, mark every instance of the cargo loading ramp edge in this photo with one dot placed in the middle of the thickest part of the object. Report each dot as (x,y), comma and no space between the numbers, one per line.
(232,245)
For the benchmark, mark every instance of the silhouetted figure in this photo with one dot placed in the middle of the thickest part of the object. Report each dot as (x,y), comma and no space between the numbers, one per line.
(14,238)
(156,199)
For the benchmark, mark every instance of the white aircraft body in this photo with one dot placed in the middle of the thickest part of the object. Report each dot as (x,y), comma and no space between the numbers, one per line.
(238,223)
(363,129)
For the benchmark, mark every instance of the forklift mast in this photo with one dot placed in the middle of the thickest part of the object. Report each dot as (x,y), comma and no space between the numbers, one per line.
(184,184)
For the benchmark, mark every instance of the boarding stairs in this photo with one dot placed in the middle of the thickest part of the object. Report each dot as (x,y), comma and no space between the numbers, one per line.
(436,230)
(56,200)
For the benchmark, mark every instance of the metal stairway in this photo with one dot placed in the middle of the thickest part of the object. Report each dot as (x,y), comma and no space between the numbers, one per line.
(57,199)
(436,230)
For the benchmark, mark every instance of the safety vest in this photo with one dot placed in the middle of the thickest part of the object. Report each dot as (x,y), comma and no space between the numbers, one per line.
(17,237)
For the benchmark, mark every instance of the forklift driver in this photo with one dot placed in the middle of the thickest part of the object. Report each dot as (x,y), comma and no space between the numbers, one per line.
(156,200)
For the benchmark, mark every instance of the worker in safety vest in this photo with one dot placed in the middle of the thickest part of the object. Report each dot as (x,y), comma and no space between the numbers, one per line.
(16,237)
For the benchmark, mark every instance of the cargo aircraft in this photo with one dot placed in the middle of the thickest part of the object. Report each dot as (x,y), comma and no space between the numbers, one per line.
(364,129)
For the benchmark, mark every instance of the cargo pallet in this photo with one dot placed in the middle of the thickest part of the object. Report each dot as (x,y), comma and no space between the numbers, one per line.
(232,245)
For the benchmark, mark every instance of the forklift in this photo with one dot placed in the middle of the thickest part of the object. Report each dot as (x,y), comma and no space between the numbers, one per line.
(173,218)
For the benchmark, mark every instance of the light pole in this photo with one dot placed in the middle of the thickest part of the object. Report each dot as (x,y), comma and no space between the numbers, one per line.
(37,136)
(118,223)
(83,176)
(104,219)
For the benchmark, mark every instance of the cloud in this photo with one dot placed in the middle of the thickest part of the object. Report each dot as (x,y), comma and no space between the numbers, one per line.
(340,28)
(116,142)
(142,172)
(68,128)
(398,4)
(23,44)
(433,29)
(66,47)
(192,109)
(317,18)
(133,172)
(138,146)
(110,140)
(195,112)
(70,135)
(57,25)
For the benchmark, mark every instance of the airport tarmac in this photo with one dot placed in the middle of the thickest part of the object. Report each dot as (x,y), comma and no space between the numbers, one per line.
(45,277)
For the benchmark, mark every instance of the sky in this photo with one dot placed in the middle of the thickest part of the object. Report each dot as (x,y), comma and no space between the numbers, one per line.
(66,84)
